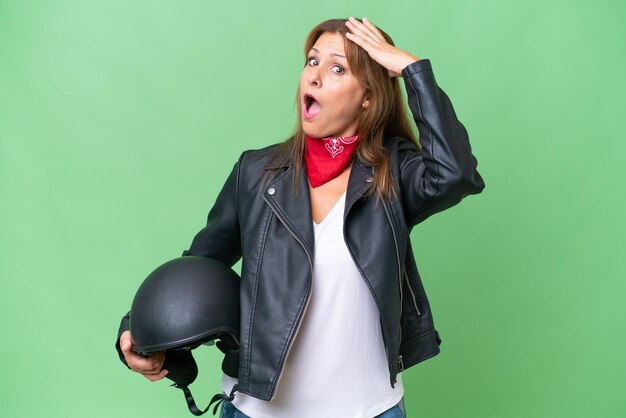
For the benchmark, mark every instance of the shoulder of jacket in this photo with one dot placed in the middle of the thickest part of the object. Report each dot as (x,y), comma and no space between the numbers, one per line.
(251,165)
(254,158)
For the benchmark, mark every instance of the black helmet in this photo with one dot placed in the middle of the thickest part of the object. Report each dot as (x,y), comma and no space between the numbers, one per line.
(186,302)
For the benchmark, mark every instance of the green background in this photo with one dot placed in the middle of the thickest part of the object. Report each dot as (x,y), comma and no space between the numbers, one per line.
(119,122)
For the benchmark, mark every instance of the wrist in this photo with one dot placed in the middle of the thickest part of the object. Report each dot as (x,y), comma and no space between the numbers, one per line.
(407,60)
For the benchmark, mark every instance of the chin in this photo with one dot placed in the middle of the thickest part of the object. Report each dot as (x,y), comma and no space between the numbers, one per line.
(314,133)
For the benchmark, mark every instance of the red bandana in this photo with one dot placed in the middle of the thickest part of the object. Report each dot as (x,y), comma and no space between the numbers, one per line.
(326,158)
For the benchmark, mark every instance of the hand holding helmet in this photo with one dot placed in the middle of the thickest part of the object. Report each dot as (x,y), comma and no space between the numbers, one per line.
(150,367)
(184,303)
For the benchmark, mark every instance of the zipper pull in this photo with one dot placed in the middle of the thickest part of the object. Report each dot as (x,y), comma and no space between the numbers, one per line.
(400,364)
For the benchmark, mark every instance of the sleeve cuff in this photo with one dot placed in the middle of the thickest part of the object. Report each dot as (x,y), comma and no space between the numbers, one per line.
(417,66)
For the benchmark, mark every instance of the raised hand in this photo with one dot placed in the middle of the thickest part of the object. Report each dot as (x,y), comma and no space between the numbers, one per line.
(368,37)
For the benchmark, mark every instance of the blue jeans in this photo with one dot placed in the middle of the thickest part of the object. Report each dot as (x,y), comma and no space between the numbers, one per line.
(229,411)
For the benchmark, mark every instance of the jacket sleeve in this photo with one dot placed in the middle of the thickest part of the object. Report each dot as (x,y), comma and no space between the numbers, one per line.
(219,239)
(444,172)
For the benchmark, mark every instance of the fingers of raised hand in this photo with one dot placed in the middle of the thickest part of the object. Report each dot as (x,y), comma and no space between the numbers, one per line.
(368,28)
(373,29)
(361,31)
(368,37)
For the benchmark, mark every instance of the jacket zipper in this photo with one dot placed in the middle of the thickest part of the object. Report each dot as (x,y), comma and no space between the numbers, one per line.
(306,305)
(412,291)
(395,241)
(293,338)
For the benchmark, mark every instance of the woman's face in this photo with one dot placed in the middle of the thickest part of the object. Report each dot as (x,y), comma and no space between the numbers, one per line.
(330,94)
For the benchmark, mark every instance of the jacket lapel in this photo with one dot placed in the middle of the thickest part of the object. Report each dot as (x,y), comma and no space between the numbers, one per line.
(295,211)
(360,180)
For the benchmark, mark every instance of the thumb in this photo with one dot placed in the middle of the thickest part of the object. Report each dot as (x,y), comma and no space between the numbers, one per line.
(125,343)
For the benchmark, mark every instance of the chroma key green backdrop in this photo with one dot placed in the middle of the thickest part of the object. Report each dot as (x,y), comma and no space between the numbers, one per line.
(119,122)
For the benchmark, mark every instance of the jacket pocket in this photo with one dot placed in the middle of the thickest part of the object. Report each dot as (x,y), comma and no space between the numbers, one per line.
(411,292)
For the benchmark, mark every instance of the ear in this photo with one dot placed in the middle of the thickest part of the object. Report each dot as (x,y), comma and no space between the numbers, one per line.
(365,103)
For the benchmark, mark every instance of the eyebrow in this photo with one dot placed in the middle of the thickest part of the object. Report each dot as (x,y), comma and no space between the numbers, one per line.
(332,53)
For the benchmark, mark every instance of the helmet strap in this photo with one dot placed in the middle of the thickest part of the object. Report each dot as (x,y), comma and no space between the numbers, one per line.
(222,397)
(191,403)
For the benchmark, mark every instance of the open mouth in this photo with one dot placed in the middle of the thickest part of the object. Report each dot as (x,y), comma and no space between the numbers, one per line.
(311,106)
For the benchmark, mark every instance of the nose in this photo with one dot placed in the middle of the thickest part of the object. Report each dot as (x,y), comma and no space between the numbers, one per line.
(314,77)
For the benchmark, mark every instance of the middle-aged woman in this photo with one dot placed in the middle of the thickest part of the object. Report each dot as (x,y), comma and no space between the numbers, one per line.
(332,305)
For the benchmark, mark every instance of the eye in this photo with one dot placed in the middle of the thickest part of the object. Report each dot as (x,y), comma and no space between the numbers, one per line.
(312,61)
(338,69)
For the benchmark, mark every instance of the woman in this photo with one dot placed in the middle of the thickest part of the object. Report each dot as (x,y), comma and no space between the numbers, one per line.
(332,305)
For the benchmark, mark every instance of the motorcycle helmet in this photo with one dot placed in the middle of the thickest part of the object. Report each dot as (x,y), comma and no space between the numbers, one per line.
(184,303)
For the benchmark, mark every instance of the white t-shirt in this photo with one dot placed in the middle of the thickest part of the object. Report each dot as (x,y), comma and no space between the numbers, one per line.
(337,365)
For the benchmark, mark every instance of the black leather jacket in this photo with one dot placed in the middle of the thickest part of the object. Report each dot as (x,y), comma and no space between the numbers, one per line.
(271,230)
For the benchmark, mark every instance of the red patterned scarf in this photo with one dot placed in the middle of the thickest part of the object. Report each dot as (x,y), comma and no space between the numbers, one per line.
(328,157)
